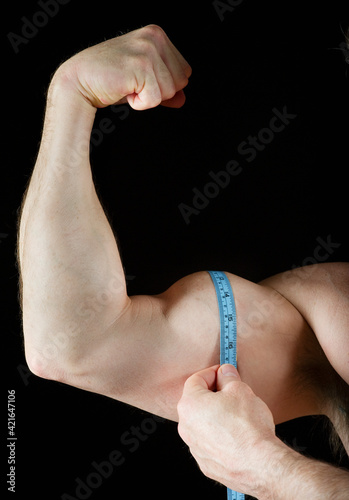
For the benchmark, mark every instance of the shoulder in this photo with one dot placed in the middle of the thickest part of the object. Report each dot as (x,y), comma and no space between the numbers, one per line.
(321,294)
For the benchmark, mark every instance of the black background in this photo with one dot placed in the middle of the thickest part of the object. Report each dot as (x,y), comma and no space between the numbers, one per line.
(259,56)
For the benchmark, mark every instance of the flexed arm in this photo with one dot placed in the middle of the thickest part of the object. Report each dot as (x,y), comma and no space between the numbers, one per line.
(73,285)
(80,327)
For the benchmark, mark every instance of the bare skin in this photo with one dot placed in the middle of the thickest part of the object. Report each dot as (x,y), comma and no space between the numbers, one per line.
(231,434)
(81,327)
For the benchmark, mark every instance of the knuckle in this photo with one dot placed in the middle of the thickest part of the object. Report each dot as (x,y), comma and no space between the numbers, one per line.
(240,389)
(153,31)
(150,38)
(181,408)
(184,433)
(143,49)
(204,469)
(142,61)
(185,411)
(247,389)
(181,430)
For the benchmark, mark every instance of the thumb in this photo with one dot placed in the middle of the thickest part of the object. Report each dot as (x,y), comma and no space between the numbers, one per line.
(226,374)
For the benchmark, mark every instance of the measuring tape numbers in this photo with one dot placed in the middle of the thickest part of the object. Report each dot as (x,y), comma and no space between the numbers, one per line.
(228,335)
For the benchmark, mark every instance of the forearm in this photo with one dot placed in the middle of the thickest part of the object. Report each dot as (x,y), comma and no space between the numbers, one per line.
(70,267)
(289,475)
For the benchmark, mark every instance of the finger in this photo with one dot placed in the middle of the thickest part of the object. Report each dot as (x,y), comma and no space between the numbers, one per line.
(183,63)
(155,87)
(227,374)
(171,85)
(202,381)
(147,94)
(176,65)
(176,101)
(166,80)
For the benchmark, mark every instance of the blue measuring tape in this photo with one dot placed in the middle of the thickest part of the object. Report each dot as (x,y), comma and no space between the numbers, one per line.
(227,314)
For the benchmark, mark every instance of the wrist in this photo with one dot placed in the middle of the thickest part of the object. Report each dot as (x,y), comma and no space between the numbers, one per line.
(65,82)
(69,117)
(272,459)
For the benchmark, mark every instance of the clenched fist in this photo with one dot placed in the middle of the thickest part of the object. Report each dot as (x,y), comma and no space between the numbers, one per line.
(142,68)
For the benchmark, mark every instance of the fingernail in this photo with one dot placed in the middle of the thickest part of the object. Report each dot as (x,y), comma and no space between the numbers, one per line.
(228,371)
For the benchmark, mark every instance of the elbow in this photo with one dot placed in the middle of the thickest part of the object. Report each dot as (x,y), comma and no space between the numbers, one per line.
(52,357)
(46,363)
(40,365)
